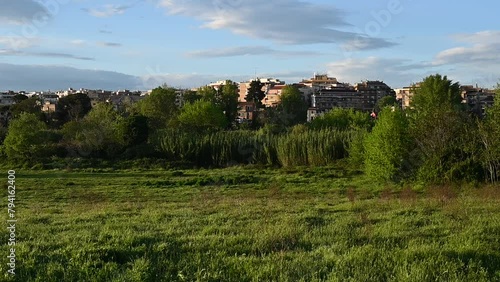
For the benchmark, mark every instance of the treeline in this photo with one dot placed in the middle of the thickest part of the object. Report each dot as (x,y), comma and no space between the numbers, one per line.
(76,130)
(435,140)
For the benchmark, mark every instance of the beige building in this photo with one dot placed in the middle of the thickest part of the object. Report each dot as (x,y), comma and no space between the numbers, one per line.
(48,107)
(269,83)
(404,95)
(273,96)
(319,81)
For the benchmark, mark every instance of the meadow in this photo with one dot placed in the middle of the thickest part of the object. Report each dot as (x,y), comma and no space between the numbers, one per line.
(249,224)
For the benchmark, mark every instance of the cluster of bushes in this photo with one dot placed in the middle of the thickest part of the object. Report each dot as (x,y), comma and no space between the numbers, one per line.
(436,140)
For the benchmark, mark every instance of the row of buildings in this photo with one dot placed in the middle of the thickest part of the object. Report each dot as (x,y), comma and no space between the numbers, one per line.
(476,99)
(321,92)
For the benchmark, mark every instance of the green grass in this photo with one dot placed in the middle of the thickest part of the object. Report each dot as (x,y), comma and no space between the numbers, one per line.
(300,224)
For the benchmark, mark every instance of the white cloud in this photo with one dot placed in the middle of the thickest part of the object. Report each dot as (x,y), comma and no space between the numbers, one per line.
(156,79)
(487,36)
(184,80)
(109,44)
(78,42)
(22,11)
(475,61)
(395,72)
(107,11)
(17,42)
(283,21)
(248,51)
(483,48)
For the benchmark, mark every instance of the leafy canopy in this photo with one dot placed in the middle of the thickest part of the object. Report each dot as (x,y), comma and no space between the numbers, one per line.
(25,136)
(202,116)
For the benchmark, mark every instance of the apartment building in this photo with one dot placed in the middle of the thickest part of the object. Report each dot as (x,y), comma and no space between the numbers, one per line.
(268,84)
(477,99)
(273,96)
(363,96)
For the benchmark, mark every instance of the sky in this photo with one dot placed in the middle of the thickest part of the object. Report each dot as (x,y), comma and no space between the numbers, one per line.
(141,44)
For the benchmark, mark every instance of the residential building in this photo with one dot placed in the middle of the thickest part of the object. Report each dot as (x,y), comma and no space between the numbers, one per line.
(120,102)
(48,97)
(246,111)
(363,96)
(268,83)
(7,99)
(319,81)
(404,96)
(372,91)
(477,99)
(273,96)
(217,85)
(48,107)
(339,96)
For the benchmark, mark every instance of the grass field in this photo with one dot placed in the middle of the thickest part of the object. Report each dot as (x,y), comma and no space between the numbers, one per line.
(249,224)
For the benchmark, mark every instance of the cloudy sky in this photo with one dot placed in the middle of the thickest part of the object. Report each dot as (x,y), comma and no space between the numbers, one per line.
(140,44)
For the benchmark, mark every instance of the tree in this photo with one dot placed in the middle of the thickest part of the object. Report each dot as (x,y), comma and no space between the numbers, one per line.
(99,134)
(26,136)
(202,116)
(159,107)
(229,101)
(342,119)
(19,98)
(434,94)
(489,132)
(387,147)
(293,108)
(210,94)
(255,93)
(190,96)
(436,120)
(386,101)
(72,107)
(135,130)
(31,105)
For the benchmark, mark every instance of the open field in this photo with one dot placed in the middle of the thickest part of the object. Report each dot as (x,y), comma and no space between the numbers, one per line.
(249,224)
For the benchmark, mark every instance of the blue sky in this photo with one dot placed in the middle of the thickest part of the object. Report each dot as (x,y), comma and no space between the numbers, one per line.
(57,44)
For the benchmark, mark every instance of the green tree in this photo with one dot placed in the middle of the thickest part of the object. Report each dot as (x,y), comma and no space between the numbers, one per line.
(386,101)
(436,120)
(229,101)
(25,137)
(159,107)
(489,132)
(31,105)
(342,119)
(210,94)
(72,107)
(135,130)
(99,134)
(19,98)
(293,108)
(202,116)
(436,93)
(255,93)
(190,96)
(387,147)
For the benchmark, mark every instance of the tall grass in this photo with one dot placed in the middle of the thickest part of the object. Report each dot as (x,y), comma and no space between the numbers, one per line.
(225,148)
(312,147)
